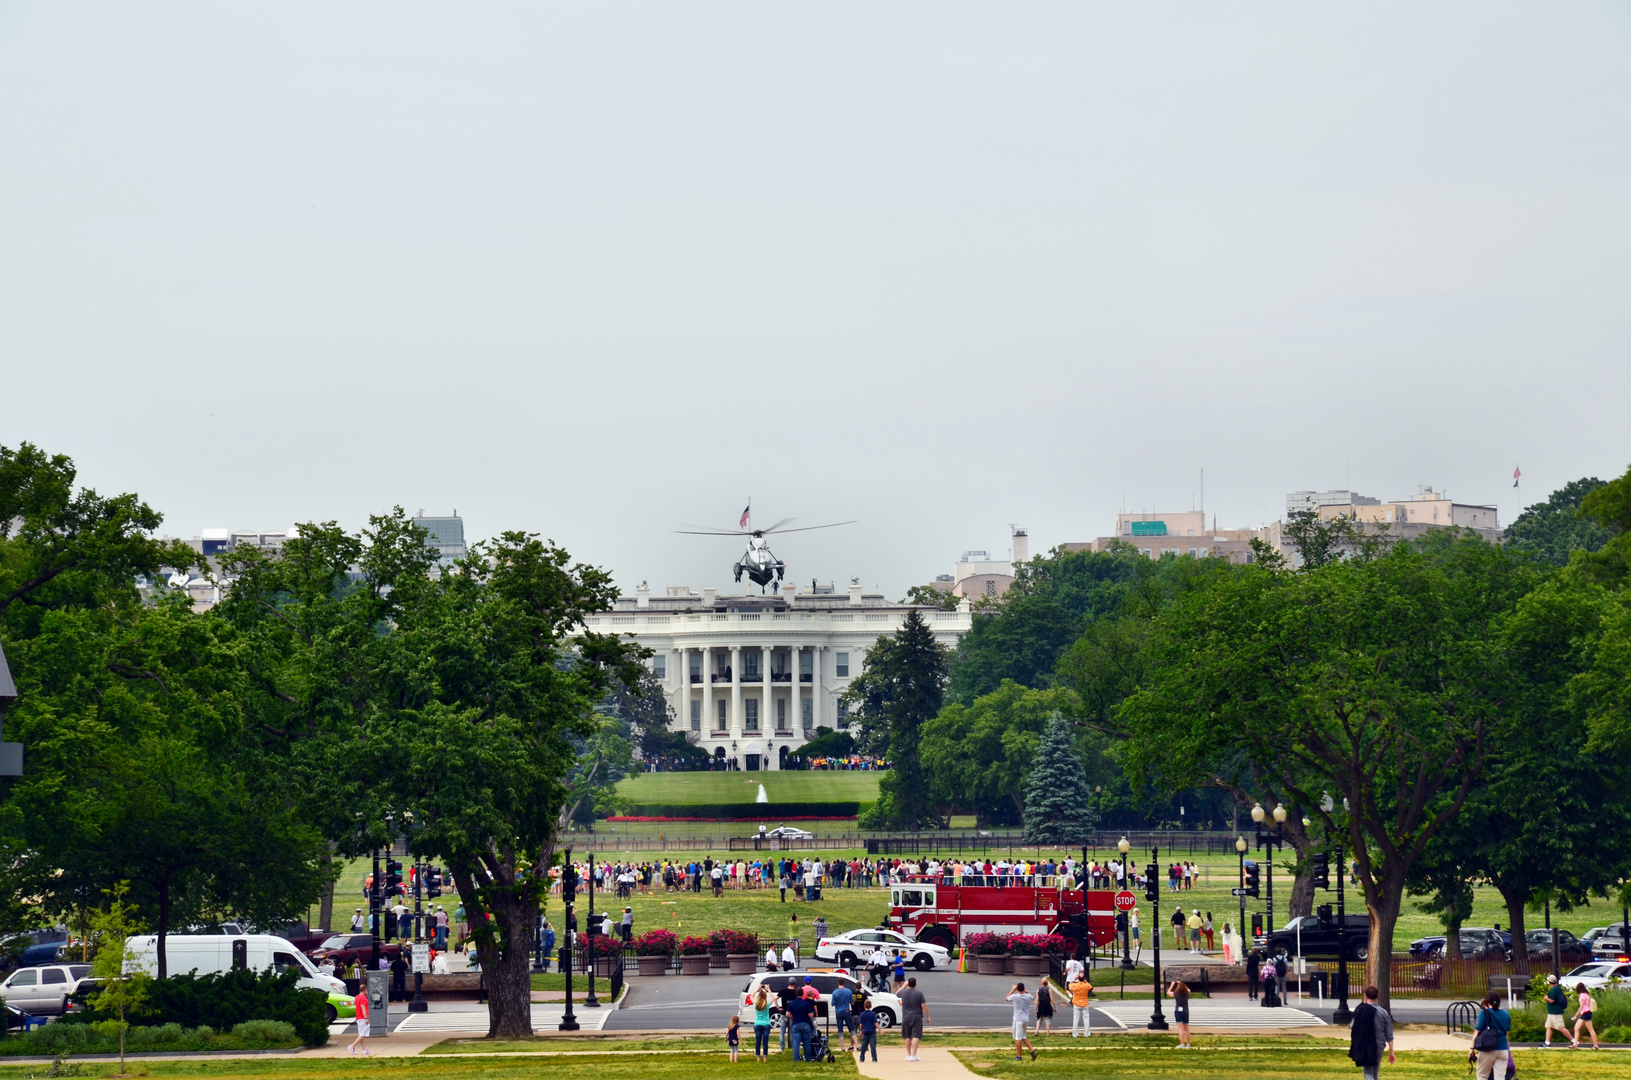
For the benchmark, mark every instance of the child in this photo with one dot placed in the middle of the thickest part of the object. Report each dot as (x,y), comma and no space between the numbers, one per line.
(733,1036)
(899,967)
(869,1030)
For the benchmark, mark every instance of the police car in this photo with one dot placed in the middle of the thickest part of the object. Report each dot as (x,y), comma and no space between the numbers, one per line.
(852,949)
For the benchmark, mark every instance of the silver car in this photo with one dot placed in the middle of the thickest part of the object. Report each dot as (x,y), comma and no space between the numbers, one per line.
(43,989)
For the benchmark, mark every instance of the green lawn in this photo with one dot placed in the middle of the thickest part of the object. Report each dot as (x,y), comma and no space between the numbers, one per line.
(1157,1059)
(743,787)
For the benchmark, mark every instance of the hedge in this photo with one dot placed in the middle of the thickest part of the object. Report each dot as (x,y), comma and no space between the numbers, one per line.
(223,1001)
(766,812)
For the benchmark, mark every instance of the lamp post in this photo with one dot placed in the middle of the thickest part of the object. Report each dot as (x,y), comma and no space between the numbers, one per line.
(1127,916)
(1269,839)
(590,1001)
(1157,1021)
(1240,853)
(417,1003)
(569,886)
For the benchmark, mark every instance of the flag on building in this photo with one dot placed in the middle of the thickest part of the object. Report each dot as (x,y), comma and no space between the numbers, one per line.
(1515,474)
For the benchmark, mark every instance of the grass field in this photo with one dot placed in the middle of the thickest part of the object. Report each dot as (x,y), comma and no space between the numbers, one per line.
(735,787)
(1153,1061)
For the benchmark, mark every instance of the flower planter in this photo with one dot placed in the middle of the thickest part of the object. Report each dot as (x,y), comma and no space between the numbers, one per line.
(1008,964)
(743,963)
(653,965)
(718,959)
(1027,965)
(605,964)
(990,965)
(694,965)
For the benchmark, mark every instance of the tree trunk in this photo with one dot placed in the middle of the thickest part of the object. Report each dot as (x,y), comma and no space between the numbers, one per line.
(1514,913)
(1384,914)
(163,929)
(1452,935)
(325,909)
(505,946)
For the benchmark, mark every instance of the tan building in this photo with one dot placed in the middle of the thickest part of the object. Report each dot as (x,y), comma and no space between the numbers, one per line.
(977,576)
(1428,510)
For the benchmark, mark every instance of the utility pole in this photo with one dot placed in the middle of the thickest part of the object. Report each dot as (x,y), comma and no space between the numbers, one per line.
(589,999)
(418,1003)
(375,889)
(569,895)
(1342,1015)
(1152,893)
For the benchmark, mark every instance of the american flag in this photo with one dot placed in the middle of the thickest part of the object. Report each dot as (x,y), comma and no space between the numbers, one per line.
(1515,474)
(744,522)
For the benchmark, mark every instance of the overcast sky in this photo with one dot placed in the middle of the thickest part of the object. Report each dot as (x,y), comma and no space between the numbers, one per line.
(598,270)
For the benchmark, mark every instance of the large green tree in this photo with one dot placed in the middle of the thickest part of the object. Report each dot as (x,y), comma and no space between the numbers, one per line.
(1058,797)
(1555,529)
(464,702)
(1380,683)
(901,687)
(978,756)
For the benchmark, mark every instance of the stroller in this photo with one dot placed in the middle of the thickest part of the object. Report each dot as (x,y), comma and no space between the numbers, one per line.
(821,1044)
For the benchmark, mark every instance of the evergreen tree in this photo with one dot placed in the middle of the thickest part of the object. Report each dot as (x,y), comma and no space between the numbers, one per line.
(1058,800)
(902,688)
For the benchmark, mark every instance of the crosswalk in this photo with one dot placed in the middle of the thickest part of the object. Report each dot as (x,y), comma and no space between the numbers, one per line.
(1213,1017)
(475,1021)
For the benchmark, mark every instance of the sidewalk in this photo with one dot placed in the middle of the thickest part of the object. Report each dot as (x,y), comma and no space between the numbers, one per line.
(937,1061)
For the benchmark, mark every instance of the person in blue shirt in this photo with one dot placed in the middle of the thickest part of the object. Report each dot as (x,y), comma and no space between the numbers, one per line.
(899,967)
(549,943)
(868,1020)
(1492,1059)
(802,1010)
(843,999)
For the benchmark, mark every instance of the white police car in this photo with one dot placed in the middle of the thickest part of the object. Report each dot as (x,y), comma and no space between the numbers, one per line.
(852,949)
(885,1004)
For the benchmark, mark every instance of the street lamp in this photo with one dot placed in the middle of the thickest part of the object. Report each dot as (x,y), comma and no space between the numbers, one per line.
(1270,839)
(417,1003)
(1240,853)
(1127,916)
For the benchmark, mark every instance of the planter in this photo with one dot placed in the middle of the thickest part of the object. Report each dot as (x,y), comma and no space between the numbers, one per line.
(718,959)
(990,965)
(653,965)
(1008,964)
(743,963)
(1027,965)
(605,964)
(694,965)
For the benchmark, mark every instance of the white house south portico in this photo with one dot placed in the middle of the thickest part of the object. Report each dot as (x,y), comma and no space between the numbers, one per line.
(752,677)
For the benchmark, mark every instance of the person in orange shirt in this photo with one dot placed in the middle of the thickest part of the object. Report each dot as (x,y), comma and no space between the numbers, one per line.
(361,1004)
(1081,992)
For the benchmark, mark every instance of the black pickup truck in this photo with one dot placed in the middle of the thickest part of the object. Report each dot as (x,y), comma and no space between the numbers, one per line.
(1319,939)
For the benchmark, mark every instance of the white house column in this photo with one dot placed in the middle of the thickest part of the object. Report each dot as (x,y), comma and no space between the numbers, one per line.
(767,697)
(736,693)
(815,689)
(707,694)
(682,696)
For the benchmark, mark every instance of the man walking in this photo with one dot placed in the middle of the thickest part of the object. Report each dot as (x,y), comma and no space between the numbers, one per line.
(1372,1033)
(1194,923)
(1021,1001)
(1557,1003)
(915,1008)
(843,1000)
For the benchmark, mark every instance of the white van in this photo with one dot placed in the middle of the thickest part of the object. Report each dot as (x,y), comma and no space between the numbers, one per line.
(211,954)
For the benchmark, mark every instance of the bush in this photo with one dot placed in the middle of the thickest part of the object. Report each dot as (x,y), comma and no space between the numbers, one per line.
(77,1036)
(984,945)
(220,1002)
(601,945)
(657,942)
(734,941)
(695,946)
(269,1032)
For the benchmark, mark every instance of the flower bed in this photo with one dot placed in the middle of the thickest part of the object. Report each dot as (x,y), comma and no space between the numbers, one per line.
(1036,944)
(657,942)
(734,941)
(695,946)
(787,817)
(985,944)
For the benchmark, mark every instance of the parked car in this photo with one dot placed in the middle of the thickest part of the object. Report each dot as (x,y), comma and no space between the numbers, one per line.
(788,832)
(1477,943)
(1596,975)
(1609,946)
(851,949)
(346,948)
(885,1004)
(1570,949)
(1318,940)
(43,989)
(33,948)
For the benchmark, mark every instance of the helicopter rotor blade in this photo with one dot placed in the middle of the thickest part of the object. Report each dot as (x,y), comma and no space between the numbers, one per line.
(808,528)
(778,525)
(711,532)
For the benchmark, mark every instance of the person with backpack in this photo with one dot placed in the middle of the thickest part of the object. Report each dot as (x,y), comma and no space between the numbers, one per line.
(1489,1042)
(1557,1003)
(1582,1015)
(1370,1034)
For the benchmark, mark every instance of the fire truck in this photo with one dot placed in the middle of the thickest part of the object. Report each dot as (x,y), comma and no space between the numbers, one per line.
(943,909)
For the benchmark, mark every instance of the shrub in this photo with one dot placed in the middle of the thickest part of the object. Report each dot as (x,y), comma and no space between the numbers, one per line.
(734,941)
(601,945)
(657,942)
(695,946)
(1025,944)
(266,1032)
(222,1001)
(984,945)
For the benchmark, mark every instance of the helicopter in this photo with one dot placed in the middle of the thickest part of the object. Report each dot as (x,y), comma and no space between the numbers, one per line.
(759,563)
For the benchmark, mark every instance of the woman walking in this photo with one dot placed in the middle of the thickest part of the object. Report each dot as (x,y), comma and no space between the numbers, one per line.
(1582,1015)
(1044,1008)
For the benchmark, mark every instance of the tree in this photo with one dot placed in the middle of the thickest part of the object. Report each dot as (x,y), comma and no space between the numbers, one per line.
(122,991)
(468,700)
(979,755)
(1556,528)
(1378,682)
(1610,507)
(901,687)
(929,596)
(1058,800)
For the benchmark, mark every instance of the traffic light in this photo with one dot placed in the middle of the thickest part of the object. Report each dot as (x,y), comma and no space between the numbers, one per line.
(569,883)
(1321,870)
(1324,914)
(1254,878)
(1152,891)
(433,882)
(393,877)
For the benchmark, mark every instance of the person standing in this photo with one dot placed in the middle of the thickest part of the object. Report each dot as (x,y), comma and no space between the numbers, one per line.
(1081,1016)
(1489,1039)
(868,1020)
(1206,929)
(549,943)
(1280,969)
(627,926)
(1194,923)
(801,1009)
(1178,920)
(899,968)
(1557,1003)
(790,960)
(399,978)
(786,995)
(1021,1001)
(1253,964)
(1179,992)
(1073,970)
(1132,924)
(914,1016)
(1044,1009)
(820,928)
(761,1025)
(1372,1033)
(358,923)
(843,1000)
(733,1036)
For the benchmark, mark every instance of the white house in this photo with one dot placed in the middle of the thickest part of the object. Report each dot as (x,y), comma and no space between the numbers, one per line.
(752,677)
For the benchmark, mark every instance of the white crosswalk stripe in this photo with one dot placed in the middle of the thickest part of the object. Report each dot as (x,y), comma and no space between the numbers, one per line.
(1212,1016)
(544,1018)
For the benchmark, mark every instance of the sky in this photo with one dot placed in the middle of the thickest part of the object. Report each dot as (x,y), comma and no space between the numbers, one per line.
(601,271)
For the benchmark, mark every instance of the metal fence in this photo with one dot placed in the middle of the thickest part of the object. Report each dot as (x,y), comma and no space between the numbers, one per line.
(1413,976)
(717,961)
(1010,843)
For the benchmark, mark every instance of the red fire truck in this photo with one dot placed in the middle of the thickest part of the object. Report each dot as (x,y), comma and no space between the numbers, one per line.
(942,910)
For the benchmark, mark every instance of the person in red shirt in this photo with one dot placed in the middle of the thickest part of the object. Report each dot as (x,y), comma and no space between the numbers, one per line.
(361,1004)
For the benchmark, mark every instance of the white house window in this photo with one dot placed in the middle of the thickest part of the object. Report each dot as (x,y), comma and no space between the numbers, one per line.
(659,666)
(696,667)
(843,714)
(781,714)
(750,664)
(753,714)
(804,663)
(809,712)
(842,664)
(720,725)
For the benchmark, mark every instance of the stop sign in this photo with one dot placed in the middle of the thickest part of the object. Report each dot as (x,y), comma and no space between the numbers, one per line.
(1125,901)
